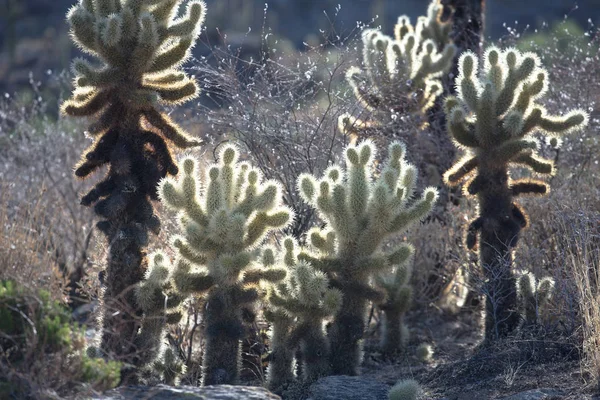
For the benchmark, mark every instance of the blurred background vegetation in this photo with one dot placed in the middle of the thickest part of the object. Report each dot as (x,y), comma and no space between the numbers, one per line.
(34,42)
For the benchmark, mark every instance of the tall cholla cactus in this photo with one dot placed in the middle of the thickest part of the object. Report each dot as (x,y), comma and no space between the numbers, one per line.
(218,254)
(139,45)
(402,73)
(493,120)
(159,301)
(398,293)
(533,296)
(306,297)
(360,211)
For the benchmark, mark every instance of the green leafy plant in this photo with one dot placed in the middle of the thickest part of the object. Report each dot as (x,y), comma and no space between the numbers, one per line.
(35,329)
(221,248)
(494,119)
(140,46)
(360,212)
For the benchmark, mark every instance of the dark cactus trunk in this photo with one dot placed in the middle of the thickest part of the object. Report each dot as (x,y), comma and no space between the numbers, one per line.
(501,223)
(346,334)
(221,359)
(315,350)
(392,332)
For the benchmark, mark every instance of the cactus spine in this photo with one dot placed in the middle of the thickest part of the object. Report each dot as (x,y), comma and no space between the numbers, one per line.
(402,74)
(219,251)
(360,212)
(306,296)
(407,389)
(533,297)
(140,46)
(398,293)
(493,120)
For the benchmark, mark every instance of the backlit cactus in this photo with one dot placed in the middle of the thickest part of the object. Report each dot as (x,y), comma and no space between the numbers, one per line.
(305,296)
(139,46)
(407,389)
(398,296)
(402,74)
(360,211)
(533,297)
(220,249)
(493,120)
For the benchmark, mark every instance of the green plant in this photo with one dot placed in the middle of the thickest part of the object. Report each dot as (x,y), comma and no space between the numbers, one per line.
(407,389)
(402,74)
(306,297)
(493,120)
(533,297)
(140,46)
(220,251)
(398,296)
(360,211)
(35,329)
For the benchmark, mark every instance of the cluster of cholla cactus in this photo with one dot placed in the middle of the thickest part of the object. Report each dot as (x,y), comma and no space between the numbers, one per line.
(493,120)
(403,73)
(360,211)
(298,307)
(220,253)
(533,297)
(140,45)
(398,296)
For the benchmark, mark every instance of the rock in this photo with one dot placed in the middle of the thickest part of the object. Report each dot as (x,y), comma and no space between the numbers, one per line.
(164,392)
(537,394)
(348,388)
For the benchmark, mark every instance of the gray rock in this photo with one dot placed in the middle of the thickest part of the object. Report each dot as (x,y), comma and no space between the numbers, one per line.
(537,394)
(163,392)
(348,388)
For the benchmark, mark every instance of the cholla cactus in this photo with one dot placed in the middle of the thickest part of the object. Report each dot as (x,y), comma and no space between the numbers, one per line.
(493,120)
(398,296)
(533,296)
(140,45)
(360,211)
(402,73)
(407,389)
(159,301)
(223,229)
(306,296)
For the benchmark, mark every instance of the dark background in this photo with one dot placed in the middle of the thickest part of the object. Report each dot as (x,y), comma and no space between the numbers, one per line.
(34,40)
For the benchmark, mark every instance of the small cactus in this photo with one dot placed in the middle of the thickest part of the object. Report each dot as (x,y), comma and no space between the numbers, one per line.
(493,120)
(402,74)
(533,297)
(407,389)
(306,296)
(394,334)
(221,247)
(360,211)
(424,352)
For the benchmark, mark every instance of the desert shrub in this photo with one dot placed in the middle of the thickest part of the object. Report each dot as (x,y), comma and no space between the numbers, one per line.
(36,332)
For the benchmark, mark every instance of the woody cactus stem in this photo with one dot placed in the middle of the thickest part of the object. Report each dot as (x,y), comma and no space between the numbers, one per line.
(360,211)
(306,296)
(220,249)
(394,334)
(493,120)
(402,73)
(140,46)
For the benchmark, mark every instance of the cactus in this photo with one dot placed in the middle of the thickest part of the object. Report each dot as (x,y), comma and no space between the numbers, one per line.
(305,296)
(493,120)
(424,352)
(398,293)
(220,249)
(360,212)
(533,296)
(140,45)
(158,300)
(407,389)
(402,74)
